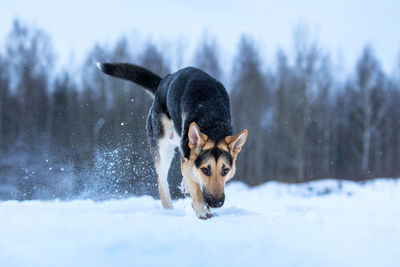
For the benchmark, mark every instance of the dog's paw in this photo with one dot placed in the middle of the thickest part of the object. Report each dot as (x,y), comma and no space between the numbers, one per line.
(167,205)
(205,216)
(202,211)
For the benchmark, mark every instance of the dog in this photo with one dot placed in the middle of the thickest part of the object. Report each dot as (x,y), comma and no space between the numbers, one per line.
(190,110)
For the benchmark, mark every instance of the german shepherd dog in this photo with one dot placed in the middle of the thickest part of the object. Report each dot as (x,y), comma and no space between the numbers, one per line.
(190,110)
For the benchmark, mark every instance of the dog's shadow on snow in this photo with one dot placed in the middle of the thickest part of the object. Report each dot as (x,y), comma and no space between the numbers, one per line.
(232,211)
(176,212)
(221,212)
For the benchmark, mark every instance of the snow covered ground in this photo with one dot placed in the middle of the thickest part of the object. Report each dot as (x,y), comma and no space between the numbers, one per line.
(323,223)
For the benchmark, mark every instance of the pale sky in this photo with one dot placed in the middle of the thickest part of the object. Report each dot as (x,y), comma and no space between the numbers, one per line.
(341,27)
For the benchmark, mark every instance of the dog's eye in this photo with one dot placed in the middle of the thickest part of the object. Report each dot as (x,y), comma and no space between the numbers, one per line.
(206,171)
(224,171)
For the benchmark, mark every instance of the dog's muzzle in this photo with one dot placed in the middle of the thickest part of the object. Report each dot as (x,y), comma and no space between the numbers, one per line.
(212,201)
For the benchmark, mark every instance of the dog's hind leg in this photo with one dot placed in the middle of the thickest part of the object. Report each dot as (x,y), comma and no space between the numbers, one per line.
(166,154)
(162,147)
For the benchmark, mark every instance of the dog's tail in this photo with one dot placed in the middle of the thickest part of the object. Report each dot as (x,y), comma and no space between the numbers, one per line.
(133,73)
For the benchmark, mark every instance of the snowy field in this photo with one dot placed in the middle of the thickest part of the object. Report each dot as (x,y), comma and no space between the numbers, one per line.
(323,223)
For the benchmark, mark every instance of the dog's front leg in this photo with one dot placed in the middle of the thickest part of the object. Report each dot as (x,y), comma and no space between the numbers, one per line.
(198,204)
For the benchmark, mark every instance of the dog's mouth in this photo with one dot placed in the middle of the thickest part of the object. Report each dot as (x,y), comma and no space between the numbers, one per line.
(212,201)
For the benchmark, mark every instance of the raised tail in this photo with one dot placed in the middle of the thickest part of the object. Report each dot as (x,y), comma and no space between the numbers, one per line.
(133,73)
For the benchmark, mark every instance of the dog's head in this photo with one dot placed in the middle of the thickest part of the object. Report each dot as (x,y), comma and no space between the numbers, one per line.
(212,164)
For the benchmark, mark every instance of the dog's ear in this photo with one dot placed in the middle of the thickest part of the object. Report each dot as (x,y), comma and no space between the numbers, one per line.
(235,142)
(196,138)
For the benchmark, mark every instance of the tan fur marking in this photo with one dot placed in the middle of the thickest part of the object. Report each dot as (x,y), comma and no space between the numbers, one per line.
(199,207)
(208,145)
(203,137)
(214,183)
(164,202)
(230,140)
(223,146)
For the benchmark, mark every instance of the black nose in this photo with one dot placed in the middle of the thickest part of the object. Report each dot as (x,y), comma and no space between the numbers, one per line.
(212,201)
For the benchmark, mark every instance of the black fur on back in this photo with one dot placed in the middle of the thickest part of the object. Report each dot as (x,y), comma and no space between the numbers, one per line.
(133,73)
(197,97)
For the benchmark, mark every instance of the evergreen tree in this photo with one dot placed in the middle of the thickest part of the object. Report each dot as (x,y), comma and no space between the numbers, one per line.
(249,98)
(30,60)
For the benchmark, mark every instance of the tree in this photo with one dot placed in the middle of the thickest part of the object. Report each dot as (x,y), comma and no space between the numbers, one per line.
(30,60)
(4,98)
(249,98)
(391,134)
(306,59)
(283,144)
(369,84)
(206,57)
(320,133)
(62,124)
(295,87)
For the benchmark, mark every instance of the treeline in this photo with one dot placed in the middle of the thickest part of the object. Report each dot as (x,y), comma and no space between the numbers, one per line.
(78,132)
